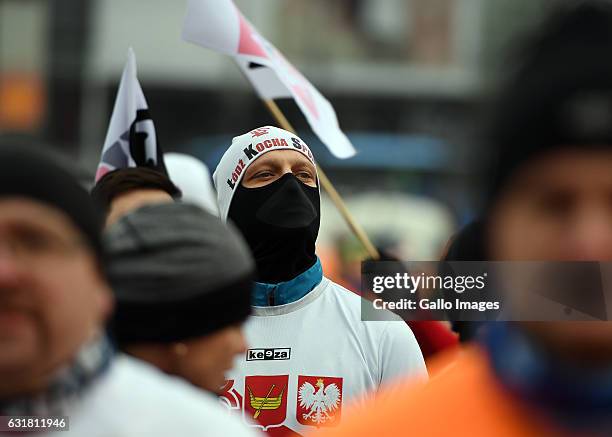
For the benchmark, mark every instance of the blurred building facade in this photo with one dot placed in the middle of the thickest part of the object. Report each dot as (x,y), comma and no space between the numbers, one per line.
(404,76)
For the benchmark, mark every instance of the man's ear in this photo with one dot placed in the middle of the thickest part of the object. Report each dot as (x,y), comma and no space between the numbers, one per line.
(105,299)
(106,302)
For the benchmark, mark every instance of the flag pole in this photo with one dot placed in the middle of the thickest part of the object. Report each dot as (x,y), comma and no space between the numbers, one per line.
(328,186)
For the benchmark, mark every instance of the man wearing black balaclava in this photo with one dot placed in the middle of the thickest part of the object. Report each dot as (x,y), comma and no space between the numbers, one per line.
(306,336)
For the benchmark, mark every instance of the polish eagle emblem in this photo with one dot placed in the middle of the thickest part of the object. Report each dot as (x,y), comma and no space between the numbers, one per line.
(319,401)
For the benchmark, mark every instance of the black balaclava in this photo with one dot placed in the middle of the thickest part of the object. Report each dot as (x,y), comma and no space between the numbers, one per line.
(280,222)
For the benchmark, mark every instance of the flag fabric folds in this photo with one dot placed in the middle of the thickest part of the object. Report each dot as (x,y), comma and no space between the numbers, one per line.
(131,140)
(220,26)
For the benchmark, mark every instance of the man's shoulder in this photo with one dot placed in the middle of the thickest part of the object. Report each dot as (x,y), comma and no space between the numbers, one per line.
(342,300)
(340,293)
(156,385)
(353,302)
(135,389)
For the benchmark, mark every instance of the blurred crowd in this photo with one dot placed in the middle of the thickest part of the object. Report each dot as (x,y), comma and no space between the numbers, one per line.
(160,301)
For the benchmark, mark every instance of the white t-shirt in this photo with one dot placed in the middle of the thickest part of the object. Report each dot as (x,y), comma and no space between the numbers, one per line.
(134,398)
(306,359)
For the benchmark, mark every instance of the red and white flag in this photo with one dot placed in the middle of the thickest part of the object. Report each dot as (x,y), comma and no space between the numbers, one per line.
(131,140)
(220,26)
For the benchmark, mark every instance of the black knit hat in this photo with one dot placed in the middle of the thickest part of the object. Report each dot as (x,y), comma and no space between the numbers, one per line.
(39,175)
(177,272)
(560,94)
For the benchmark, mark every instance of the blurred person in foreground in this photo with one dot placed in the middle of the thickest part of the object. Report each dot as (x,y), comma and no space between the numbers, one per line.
(182,282)
(306,337)
(55,358)
(126,189)
(551,199)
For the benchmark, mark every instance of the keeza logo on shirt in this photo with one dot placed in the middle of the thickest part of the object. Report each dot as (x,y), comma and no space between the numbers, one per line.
(283,353)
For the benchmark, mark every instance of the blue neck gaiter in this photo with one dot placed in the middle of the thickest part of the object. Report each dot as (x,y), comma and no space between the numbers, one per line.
(289,291)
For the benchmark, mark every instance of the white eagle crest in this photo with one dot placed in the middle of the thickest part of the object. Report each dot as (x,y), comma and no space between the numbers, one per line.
(319,403)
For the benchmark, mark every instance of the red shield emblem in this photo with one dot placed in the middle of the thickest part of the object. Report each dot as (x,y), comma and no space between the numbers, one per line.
(265,399)
(319,400)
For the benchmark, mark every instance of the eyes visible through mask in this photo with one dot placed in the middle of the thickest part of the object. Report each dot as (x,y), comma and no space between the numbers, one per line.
(273,165)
